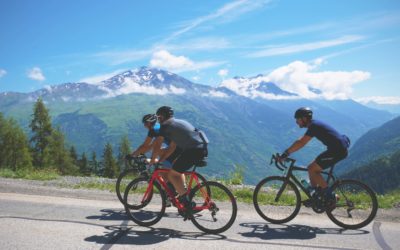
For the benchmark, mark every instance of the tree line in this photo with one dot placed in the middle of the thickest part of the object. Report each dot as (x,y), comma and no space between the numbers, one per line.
(47,149)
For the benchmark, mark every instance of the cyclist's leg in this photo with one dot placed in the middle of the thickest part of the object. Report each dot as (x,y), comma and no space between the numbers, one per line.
(314,172)
(185,161)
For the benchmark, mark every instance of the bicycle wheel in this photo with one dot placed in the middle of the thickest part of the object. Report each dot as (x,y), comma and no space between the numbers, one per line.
(215,209)
(275,202)
(145,204)
(122,181)
(356,204)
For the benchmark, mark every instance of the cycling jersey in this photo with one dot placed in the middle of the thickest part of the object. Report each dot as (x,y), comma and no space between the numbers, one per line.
(183,134)
(328,136)
(190,140)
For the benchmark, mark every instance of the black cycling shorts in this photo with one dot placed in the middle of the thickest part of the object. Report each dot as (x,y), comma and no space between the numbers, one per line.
(329,158)
(188,158)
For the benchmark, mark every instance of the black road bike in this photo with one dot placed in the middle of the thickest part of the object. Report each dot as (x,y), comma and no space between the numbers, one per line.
(277,199)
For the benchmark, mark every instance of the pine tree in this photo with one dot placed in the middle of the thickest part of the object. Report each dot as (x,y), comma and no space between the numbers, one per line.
(124,149)
(110,166)
(60,157)
(83,165)
(73,155)
(14,148)
(41,132)
(94,164)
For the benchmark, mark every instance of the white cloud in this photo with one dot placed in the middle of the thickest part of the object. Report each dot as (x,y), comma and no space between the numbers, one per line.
(36,74)
(196,78)
(223,72)
(164,59)
(299,78)
(297,48)
(215,93)
(130,86)
(99,78)
(227,12)
(3,72)
(388,100)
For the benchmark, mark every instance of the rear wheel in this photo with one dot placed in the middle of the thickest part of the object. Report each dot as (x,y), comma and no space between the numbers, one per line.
(215,209)
(276,201)
(145,204)
(356,204)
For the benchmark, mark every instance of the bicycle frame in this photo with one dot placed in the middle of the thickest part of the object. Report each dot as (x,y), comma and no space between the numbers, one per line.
(193,177)
(290,176)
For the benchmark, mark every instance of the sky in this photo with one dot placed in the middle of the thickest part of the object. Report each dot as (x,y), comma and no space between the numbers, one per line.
(345,48)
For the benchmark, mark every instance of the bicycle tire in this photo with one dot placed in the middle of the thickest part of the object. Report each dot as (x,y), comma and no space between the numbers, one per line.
(150,209)
(264,195)
(118,186)
(208,216)
(355,198)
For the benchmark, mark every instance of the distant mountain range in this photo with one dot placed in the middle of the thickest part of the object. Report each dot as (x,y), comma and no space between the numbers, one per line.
(245,124)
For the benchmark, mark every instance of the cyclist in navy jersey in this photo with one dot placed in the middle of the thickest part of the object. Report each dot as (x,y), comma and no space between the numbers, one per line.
(336,143)
(191,141)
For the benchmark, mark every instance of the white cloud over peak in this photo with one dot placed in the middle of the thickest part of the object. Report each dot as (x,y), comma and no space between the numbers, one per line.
(386,100)
(36,74)
(223,72)
(166,60)
(301,78)
(130,86)
(99,78)
(3,72)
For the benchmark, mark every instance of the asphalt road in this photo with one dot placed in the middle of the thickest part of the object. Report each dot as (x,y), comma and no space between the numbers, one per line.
(32,221)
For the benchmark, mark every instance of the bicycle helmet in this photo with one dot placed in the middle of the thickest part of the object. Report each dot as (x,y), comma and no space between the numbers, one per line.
(303,112)
(165,111)
(151,118)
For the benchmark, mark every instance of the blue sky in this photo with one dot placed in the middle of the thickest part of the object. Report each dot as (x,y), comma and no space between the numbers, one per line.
(349,49)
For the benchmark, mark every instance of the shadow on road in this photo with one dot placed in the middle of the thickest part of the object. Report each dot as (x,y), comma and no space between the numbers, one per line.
(137,235)
(109,214)
(145,236)
(300,232)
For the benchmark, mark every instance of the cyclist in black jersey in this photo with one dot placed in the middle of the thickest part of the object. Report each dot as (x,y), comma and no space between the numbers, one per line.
(191,142)
(337,145)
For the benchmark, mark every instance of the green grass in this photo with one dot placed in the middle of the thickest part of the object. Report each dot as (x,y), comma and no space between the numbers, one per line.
(41,175)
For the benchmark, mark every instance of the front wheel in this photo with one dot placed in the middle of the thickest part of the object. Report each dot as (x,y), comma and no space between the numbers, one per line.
(144,203)
(215,209)
(276,200)
(123,180)
(356,204)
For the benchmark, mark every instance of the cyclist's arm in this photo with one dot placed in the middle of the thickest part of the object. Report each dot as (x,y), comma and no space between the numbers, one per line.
(298,144)
(156,148)
(146,146)
(171,148)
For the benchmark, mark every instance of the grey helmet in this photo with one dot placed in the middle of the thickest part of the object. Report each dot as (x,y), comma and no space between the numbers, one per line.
(151,118)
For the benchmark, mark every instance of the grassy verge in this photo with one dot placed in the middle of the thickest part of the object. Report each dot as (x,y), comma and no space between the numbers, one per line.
(41,175)
(242,194)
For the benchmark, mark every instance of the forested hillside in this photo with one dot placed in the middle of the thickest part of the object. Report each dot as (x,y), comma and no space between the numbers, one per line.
(382,174)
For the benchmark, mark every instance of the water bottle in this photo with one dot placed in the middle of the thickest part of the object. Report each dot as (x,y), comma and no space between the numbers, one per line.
(307,186)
